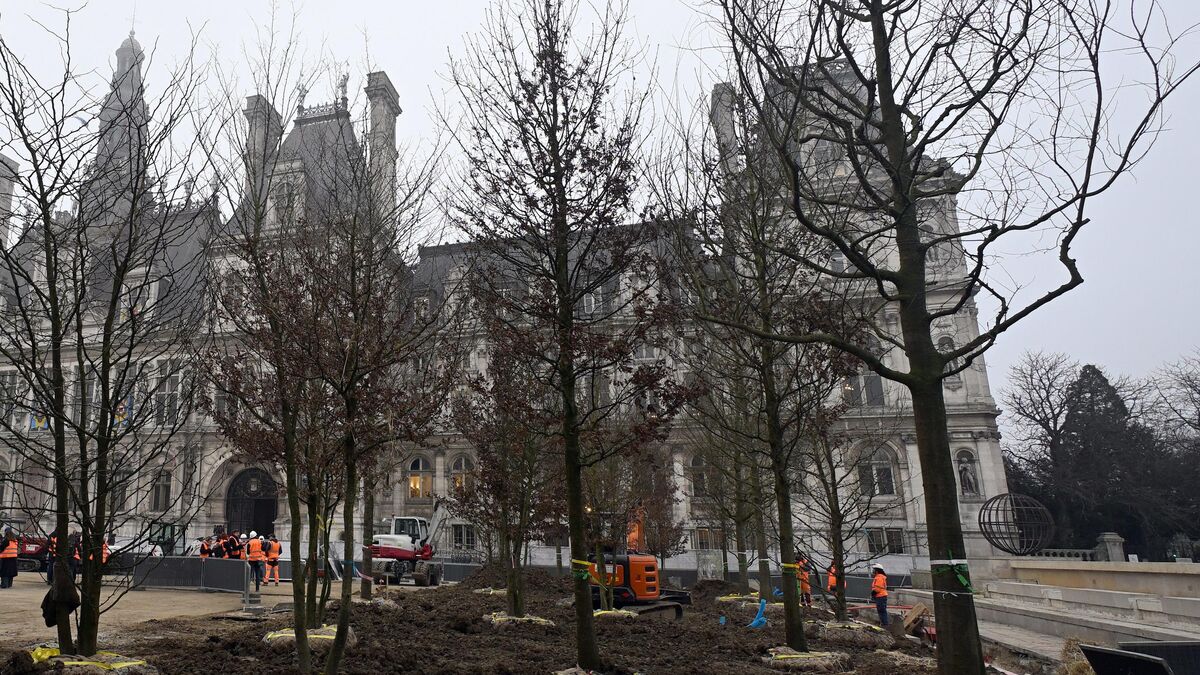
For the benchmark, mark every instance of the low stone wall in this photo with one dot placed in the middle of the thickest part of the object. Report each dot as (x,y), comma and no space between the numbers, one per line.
(1184,613)
(1178,580)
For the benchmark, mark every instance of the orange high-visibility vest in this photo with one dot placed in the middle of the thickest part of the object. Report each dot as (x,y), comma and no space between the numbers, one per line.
(879,585)
(804,585)
(9,548)
(254,550)
(274,548)
(831,584)
(103,553)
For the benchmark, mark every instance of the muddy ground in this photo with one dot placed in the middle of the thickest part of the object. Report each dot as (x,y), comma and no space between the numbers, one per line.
(443,631)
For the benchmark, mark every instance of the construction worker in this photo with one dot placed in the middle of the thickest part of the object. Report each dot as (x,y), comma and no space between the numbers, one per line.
(257,556)
(234,547)
(205,548)
(76,543)
(9,548)
(805,588)
(832,581)
(879,592)
(51,548)
(274,548)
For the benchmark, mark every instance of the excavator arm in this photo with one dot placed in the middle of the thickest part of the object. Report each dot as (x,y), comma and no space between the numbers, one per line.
(437,518)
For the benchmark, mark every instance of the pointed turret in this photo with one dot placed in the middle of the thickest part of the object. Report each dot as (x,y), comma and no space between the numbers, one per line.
(123,118)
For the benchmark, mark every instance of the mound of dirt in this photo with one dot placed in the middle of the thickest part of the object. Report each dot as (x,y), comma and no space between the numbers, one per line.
(706,592)
(448,634)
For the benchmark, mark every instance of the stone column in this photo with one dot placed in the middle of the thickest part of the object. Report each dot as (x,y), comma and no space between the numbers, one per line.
(1110,546)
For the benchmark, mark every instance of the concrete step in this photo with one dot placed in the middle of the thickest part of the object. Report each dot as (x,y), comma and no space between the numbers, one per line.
(1022,641)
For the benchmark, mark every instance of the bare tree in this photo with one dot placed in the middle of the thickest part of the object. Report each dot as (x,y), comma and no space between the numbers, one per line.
(915,140)
(318,306)
(551,154)
(515,489)
(103,288)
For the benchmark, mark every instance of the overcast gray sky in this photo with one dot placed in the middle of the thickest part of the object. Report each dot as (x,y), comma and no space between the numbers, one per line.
(1137,308)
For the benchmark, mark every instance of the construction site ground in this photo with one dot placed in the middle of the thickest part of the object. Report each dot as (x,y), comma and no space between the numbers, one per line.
(441,630)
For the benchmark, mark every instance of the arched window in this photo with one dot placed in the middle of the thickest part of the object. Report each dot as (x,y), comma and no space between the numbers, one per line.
(877,474)
(462,472)
(968,474)
(699,477)
(420,479)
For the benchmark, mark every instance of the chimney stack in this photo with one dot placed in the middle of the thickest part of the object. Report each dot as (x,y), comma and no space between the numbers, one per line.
(265,129)
(722,117)
(381,144)
(8,177)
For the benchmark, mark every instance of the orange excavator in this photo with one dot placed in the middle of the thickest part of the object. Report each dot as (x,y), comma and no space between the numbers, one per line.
(632,576)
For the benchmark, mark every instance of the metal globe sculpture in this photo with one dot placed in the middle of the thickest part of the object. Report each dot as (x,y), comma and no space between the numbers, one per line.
(1016,524)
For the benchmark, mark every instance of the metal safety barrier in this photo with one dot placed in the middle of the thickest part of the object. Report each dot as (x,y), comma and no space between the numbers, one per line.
(212,574)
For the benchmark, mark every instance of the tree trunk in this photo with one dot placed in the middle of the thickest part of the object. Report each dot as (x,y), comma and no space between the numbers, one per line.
(587,653)
(368,580)
(793,617)
(312,564)
(515,580)
(89,596)
(739,524)
(959,650)
(838,555)
(299,601)
(338,648)
(760,526)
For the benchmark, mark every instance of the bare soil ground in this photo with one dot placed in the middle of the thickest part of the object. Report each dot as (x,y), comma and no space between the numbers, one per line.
(443,631)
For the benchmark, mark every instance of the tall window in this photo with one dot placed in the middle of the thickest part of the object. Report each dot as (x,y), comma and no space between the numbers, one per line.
(4,479)
(968,476)
(166,396)
(160,493)
(876,475)
(863,389)
(464,536)
(882,540)
(592,303)
(10,398)
(461,471)
(420,479)
(699,476)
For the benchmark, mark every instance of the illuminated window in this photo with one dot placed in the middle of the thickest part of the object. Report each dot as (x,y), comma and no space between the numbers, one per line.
(461,471)
(420,479)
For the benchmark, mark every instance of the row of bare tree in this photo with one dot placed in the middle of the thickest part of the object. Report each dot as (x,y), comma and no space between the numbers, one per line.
(841,210)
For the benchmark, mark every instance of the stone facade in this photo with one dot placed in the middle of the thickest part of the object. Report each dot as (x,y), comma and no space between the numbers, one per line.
(239,496)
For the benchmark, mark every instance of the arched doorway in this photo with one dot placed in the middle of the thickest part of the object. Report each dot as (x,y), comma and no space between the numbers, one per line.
(252,502)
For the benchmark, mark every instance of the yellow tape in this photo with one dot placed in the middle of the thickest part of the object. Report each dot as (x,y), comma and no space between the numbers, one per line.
(42,654)
(581,563)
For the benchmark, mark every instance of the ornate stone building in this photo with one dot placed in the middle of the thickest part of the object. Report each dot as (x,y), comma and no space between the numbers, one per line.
(231,494)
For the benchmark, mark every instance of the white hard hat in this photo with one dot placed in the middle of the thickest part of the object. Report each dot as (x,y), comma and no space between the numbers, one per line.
(876,566)
(253,534)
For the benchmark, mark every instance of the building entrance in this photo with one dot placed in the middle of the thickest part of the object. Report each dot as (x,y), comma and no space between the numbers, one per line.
(252,502)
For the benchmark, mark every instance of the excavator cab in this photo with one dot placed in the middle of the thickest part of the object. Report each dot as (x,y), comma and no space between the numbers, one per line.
(633,578)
